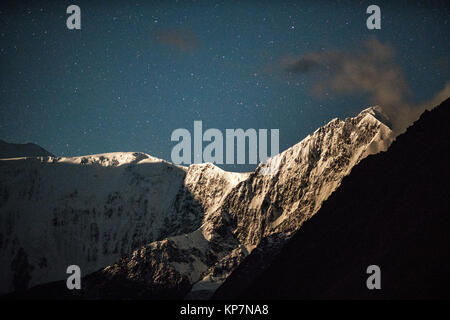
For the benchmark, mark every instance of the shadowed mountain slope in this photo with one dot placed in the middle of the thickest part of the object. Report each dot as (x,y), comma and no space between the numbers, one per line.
(16,150)
(392,211)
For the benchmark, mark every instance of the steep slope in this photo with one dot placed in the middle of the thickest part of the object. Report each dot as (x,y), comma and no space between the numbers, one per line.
(90,211)
(391,211)
(237,212)
(16,150)
(282,193)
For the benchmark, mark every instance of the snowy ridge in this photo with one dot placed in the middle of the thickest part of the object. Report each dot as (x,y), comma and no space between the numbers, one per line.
(290,187)
(91,210)
(175,227)
(260,205)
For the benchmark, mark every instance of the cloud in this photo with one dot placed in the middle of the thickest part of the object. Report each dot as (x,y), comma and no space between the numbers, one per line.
(183,39)
(372,70)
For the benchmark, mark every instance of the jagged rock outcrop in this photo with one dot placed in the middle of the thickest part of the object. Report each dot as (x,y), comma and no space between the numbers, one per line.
(392,211)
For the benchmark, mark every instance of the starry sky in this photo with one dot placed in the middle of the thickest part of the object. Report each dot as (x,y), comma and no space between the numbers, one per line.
(136,71)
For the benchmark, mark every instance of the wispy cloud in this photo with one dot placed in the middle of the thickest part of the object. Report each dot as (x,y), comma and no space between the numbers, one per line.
(372,70)
(184,40)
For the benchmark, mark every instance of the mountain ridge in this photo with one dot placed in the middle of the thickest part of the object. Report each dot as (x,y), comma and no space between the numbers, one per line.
(210,219)
(391,211)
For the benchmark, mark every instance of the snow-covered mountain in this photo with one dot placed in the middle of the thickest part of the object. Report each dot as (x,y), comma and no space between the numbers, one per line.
(176,230)
(392,211)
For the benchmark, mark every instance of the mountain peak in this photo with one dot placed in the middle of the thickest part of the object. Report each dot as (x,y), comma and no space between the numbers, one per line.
(378,113)
(392,208)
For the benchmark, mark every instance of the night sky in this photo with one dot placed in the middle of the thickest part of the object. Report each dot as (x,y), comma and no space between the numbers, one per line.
(136,71)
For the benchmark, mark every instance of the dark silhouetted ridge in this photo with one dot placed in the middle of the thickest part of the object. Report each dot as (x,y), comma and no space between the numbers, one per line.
(17,150)
(392,211)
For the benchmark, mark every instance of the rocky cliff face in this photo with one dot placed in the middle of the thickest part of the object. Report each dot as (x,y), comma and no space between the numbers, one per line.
(176,230)
(392,211)
(280,195)
(90,211)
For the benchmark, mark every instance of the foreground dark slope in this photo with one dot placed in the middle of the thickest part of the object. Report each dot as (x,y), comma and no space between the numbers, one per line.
(15,150)
(392,211)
